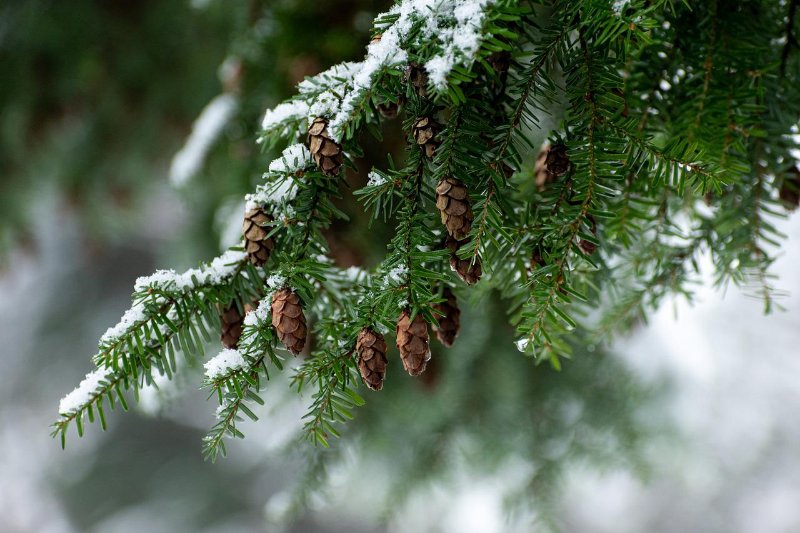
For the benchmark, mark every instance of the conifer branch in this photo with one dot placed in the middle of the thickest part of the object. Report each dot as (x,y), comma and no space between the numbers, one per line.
(648,127)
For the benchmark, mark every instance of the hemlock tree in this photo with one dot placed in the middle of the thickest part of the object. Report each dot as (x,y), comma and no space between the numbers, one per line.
(670,129)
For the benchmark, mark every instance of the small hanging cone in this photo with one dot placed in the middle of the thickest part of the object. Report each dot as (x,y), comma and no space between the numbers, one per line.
(390,109)
(371,349)
(425,130)
(289,320)
(413,342)
(500,62)
(469,269)
(257,244)
(327,153)
(418,78)
(454,207)
(449,318)
(589,247)
(536,259)
(231,321)
(789,192)
(557,161)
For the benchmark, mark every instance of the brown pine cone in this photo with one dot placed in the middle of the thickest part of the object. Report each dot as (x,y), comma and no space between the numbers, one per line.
(789,192)
(389,109)
(327,153)
(589,247)
(256,242)
(557,161)
(371,348)
(418,78)
(468,270)
(289,320)
(412,341)
(425,130)
(454,207)
(449,318)
(231,321)
(500,63)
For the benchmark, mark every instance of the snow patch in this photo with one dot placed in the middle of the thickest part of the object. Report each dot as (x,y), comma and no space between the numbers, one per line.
(293,159)
(205,131)
(376,179)
(224,363)
(84,392)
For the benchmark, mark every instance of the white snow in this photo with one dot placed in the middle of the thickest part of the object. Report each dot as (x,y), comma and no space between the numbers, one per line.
(339,92)
(205,131)
(439,67)
(355,273)
(277,119)
(84,392)
(217,272)
(375,179)
(522,344)
(276,281)
(619,6)
(460,42)
(396,276)
(336,77)
(278,192)
(223,363)
(260,315)
(293,159)
(132,316)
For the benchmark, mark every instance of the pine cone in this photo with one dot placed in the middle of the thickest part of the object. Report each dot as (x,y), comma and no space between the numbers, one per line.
(425,130)
(418,78)
(468,270)
(289,320)
(371,348)
(231,321)
(790,189)
(500,62)
(256,242)
(391,109)
(412,341)
(557,161)
(454,207)
(327,153)
(449,318)
(589,247)
(537,260)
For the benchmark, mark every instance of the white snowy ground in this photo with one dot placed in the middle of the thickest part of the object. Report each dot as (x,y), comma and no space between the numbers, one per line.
(735,400)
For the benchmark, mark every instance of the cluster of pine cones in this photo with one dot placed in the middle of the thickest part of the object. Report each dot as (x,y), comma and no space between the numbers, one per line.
(455,209)
(413,341)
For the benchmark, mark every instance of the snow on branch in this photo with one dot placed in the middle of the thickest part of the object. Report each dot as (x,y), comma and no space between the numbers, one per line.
(207,128)
(223,363)
(85,392)
(455,27)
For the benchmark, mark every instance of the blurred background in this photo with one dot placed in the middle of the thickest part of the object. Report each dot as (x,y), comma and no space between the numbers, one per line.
(127,135)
